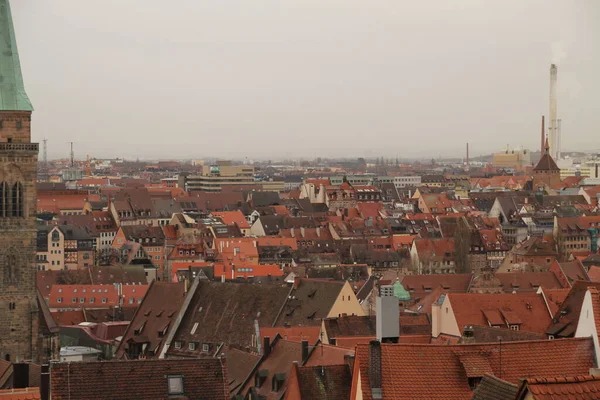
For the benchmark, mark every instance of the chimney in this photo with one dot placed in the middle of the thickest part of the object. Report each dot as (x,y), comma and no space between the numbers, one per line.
(349,360)
(468,335)
(468,166)
(266,346)
(45,382)
(318,231)
(387,322)
(553,132)
(543,135)
(304,351)
(292,233)
(375,369)
(302,231)
(20,375)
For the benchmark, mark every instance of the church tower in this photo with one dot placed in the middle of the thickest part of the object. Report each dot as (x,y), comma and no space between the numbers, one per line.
(546,174)
(20,321)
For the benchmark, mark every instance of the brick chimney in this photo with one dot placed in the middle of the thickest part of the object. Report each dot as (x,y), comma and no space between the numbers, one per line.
(468,335)
(304,351)
(375,369)
(266,346)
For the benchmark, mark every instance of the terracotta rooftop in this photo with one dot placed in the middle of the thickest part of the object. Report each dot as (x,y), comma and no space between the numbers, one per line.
(566,319)
(442,371)
(292,333)
(527,310)
(225,313)
(152,320)
(580,387)
(309,301)
(32,393)
(331,382)
(494,388)
(147,379)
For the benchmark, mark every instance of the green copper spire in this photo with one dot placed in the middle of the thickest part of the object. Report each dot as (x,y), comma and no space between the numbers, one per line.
(12,90)
(400,292)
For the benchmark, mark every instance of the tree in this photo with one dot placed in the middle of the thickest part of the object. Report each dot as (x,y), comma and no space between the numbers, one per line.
(462,246)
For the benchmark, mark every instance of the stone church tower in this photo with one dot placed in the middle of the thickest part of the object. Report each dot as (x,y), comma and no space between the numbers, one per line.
(546,174)
(27,332)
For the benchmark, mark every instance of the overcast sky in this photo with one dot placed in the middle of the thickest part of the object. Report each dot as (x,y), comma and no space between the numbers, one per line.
(307,78)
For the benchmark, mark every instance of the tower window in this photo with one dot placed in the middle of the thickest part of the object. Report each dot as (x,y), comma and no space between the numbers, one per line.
(12,306)
(19,124)
(17,200)
(4,197)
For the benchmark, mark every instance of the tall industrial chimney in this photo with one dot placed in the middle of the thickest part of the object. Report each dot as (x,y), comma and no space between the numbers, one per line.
(468,166)
(543,135)
(552,130)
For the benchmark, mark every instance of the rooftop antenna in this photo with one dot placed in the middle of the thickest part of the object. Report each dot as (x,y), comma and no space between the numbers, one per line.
(72,156)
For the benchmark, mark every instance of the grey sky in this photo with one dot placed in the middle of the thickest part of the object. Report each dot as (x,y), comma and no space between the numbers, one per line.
(275,78)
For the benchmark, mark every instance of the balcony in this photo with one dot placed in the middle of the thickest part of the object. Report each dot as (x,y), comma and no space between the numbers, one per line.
(5,146)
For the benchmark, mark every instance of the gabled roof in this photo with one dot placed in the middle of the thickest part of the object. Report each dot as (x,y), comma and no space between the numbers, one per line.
(331,382)
(240,364)
(309,301)
(144,379)
(154,318)
(278,363)
(437,371)
(580,387)
(224,312)
(566,319)
(494,388)
(528,310)
(292,333)
(546,163)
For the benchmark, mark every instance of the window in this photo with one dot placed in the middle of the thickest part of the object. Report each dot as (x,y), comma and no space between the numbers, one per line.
(74,300)
(12,306)
(177,344)
(104,300)
(192,346)
(4,196)
(59,300)
(92,299)
(175,384)
(514,327)
(86,256)
(206,347)
(17,200)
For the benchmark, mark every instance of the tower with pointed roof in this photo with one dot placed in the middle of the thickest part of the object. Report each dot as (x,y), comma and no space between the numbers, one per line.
(546,174)
(26,333)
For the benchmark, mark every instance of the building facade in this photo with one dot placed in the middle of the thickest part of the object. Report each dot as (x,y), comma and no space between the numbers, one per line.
(25,335)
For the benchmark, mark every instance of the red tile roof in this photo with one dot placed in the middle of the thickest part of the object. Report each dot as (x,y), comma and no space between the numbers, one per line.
(581,387)
(292,333)
(144,379)
(525,309)
(324,354)
(594,273)
(527,281)
(20,394)
(94,296)
(153,318)
(330,382)
(440,371)
(233,218)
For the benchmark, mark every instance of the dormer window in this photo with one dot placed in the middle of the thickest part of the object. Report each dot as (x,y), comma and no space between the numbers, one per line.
(175,384)
(277,382)
(260,377)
